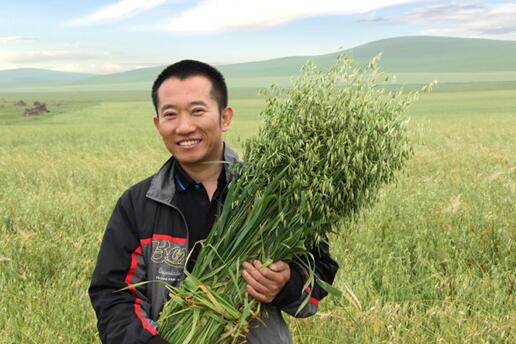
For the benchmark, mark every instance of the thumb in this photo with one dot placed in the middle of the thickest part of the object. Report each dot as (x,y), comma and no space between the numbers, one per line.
(278,266)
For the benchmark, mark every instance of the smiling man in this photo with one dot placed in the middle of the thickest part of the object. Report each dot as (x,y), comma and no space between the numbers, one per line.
(191,124)
(157,222)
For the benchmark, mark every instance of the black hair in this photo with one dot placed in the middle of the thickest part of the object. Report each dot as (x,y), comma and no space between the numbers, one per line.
(188,68)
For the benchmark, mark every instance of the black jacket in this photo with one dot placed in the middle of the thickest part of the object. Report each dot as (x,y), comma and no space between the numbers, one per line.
(147,239)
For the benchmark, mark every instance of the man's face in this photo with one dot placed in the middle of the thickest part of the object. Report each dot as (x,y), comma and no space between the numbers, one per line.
(190,122)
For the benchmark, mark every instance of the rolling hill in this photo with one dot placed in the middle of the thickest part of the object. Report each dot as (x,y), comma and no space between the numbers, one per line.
(413,58)
(403,54)
(37,77)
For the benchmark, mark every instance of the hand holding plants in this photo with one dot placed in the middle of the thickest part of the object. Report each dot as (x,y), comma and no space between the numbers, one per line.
(265,283)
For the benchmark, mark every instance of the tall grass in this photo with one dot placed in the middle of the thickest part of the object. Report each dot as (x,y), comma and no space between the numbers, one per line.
(433,261)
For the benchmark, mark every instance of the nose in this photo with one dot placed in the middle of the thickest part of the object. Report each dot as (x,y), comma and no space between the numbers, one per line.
(184,125)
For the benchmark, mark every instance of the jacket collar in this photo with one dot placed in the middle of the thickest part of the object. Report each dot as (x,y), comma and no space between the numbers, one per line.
(163,188)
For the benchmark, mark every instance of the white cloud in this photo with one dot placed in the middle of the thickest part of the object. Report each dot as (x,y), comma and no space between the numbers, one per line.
(224,15)
(78,67)
(98,68)
(15,39)
(43,56)
(121,9)
(475,20)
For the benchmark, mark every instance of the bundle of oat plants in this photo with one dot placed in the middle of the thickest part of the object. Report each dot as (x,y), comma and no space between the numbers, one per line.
(326,146)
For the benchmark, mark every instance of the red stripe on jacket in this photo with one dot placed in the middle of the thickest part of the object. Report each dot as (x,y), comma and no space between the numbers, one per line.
(312,300)
(137,302)
(132,269)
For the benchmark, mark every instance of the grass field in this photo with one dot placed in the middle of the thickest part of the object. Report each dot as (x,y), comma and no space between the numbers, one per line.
(433,262)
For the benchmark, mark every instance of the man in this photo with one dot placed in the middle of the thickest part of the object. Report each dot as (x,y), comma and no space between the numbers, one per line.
(157,222)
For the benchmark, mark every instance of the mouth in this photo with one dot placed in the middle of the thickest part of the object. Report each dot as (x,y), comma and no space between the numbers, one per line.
(188,142)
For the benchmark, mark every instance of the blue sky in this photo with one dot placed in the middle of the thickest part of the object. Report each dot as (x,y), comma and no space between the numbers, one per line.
(117,35)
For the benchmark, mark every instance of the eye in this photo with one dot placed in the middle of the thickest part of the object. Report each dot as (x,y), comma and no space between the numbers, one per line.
(169,114)
(198,111)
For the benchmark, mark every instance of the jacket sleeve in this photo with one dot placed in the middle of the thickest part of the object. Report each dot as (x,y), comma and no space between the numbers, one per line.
(122,316)
(293,293)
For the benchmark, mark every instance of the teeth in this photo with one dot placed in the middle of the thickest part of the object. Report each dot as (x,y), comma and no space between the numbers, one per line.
(188,142)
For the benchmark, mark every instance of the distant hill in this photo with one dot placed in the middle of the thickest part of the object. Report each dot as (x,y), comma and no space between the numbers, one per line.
(403,54)
(37,77)
(441,54)
(421,54)
(448,58)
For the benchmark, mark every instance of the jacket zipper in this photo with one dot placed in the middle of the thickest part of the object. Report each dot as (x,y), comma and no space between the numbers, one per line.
(182,217)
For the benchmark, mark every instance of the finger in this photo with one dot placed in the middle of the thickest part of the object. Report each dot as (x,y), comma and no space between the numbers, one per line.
(280,277)
(260,274)
(266,276)
(247,265)
(277,276)
(258,296)
(271,276)
(279,266)
(254,283)
(257,264)
(269,273)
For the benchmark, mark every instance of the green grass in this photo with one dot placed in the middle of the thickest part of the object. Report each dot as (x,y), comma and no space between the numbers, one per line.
(432,262)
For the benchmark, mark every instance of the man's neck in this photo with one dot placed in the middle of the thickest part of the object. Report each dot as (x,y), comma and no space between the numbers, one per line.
(203,172)
(206,173)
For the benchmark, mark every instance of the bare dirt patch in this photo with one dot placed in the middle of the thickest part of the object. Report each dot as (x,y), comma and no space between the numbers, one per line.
(37,109)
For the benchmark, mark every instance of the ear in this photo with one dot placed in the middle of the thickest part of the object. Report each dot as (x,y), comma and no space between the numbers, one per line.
(225,118)
(157,125)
